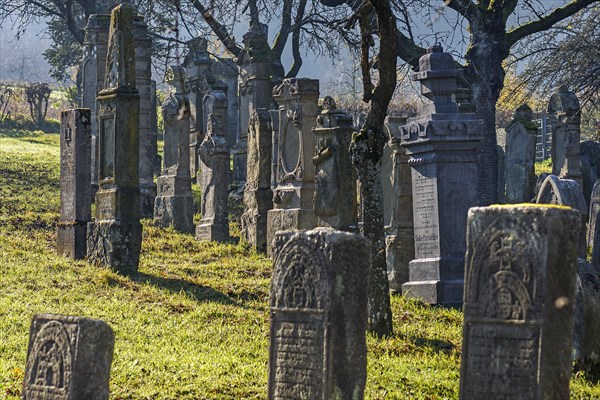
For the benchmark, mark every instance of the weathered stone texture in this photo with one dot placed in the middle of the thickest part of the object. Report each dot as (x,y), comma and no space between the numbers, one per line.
(565,118)
(520,280)
(520,157)
(318,306)
(68,358)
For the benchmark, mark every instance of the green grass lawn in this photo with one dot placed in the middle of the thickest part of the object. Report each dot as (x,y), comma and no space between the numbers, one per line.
(194,324)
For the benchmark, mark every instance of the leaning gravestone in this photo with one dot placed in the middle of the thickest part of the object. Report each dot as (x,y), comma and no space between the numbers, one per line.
(520,279)
(565,119)
(519,158)
(68,358)
(174,205)
(334,200)
(115,238)
(258,196)
(214,156)
(318,306)
(75,187)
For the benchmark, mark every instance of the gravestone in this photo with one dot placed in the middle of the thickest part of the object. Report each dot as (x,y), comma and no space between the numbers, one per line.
(148,147)
(443,147)
(214,102)
(226,70)
(94,61)
(565,119)
(520,279)
(318,306)
(334,201)
(214,157)
(174,205)
(275,156)
(68,358)
(75,187)
(593,226)
(400,233)
(154,126)
(520,157)
(258,196)
(590,166)
(114,239)
(293,196)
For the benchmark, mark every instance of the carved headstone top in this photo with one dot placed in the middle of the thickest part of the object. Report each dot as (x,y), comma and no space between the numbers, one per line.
(564,101)
(256,46)
(120,60)
(523,114)
(331,117)
(329,104)
(175,77)
(198,50)
(293,86)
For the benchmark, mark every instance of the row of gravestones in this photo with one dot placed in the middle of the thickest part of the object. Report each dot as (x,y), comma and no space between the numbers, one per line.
(519,306)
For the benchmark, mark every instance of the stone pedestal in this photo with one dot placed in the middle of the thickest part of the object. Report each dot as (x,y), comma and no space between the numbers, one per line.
(214,156)
(68,358)
(75,204)
(174,205)
(400,234)
(318,307)
(519,158)
(520,279)
(442,144)
(293,196)
(334,200)
(115,238)
(258,196)
(565,118)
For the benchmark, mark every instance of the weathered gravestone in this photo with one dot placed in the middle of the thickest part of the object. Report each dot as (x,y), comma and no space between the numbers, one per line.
(68,358)
(293,196)
(501,148)
(335,185)
(75,187)
(593,226)
(400,233)
(154,126)
(226,70)
(214,157)
(520,279)
(590,166)
(174,205)
(214,102)
(275,142)
(258,196)
(115,238)
(519,158)
(442,144)
(318,315)
(565,118)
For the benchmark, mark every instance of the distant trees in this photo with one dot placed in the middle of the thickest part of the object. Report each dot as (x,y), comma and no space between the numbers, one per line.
(38,96)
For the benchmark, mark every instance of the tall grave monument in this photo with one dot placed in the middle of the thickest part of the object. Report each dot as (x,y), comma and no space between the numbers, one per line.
(318,306)
(520,280)
(565,118)
(75,197)
(115,237)
(293,196)
(519,157)
(442,144)
(174,205)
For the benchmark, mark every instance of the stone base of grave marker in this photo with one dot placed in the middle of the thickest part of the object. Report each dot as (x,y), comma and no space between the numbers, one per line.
(115,244)
(284,220)
(208,230)
(254,223)
(399,250)
(175,205)
(68,358)
(71,237)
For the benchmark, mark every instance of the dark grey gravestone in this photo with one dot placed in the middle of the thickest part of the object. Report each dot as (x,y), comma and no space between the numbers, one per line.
(565,118)
(593,226)
(442,144)
(501,176)
(590,166)
(520,280)
(114,239)
(275,144)
(68,358)
(75,187)
(519,158)
(258,196)
(400,233)
(226,70)
(334,199)
(318,315)
(174,204)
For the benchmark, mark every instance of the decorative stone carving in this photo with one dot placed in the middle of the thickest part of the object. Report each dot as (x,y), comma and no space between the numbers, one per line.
(75,187)
(519,159)
(565,118)
(68,358)
(519,302)
(318,315)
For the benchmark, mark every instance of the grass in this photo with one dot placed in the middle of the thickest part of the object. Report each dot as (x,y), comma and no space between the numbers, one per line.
(194,323)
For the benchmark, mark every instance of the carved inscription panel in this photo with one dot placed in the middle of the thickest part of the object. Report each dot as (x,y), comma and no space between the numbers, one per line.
(425,211)
(107,148)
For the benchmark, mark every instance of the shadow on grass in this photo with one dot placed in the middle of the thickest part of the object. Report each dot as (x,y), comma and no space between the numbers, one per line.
(439,346)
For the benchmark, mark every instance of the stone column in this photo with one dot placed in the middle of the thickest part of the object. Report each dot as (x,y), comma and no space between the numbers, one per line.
(520,280)
(94,61)
(148,146)
(226,70)
(334,201)
(215,102)
(442,144)
(293,196)
(174,205)
(318,307)
(75,197)
(115,238)
(258,196)
(400,233)
(68,358)
(565,118)
(214,156)
(519,158)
